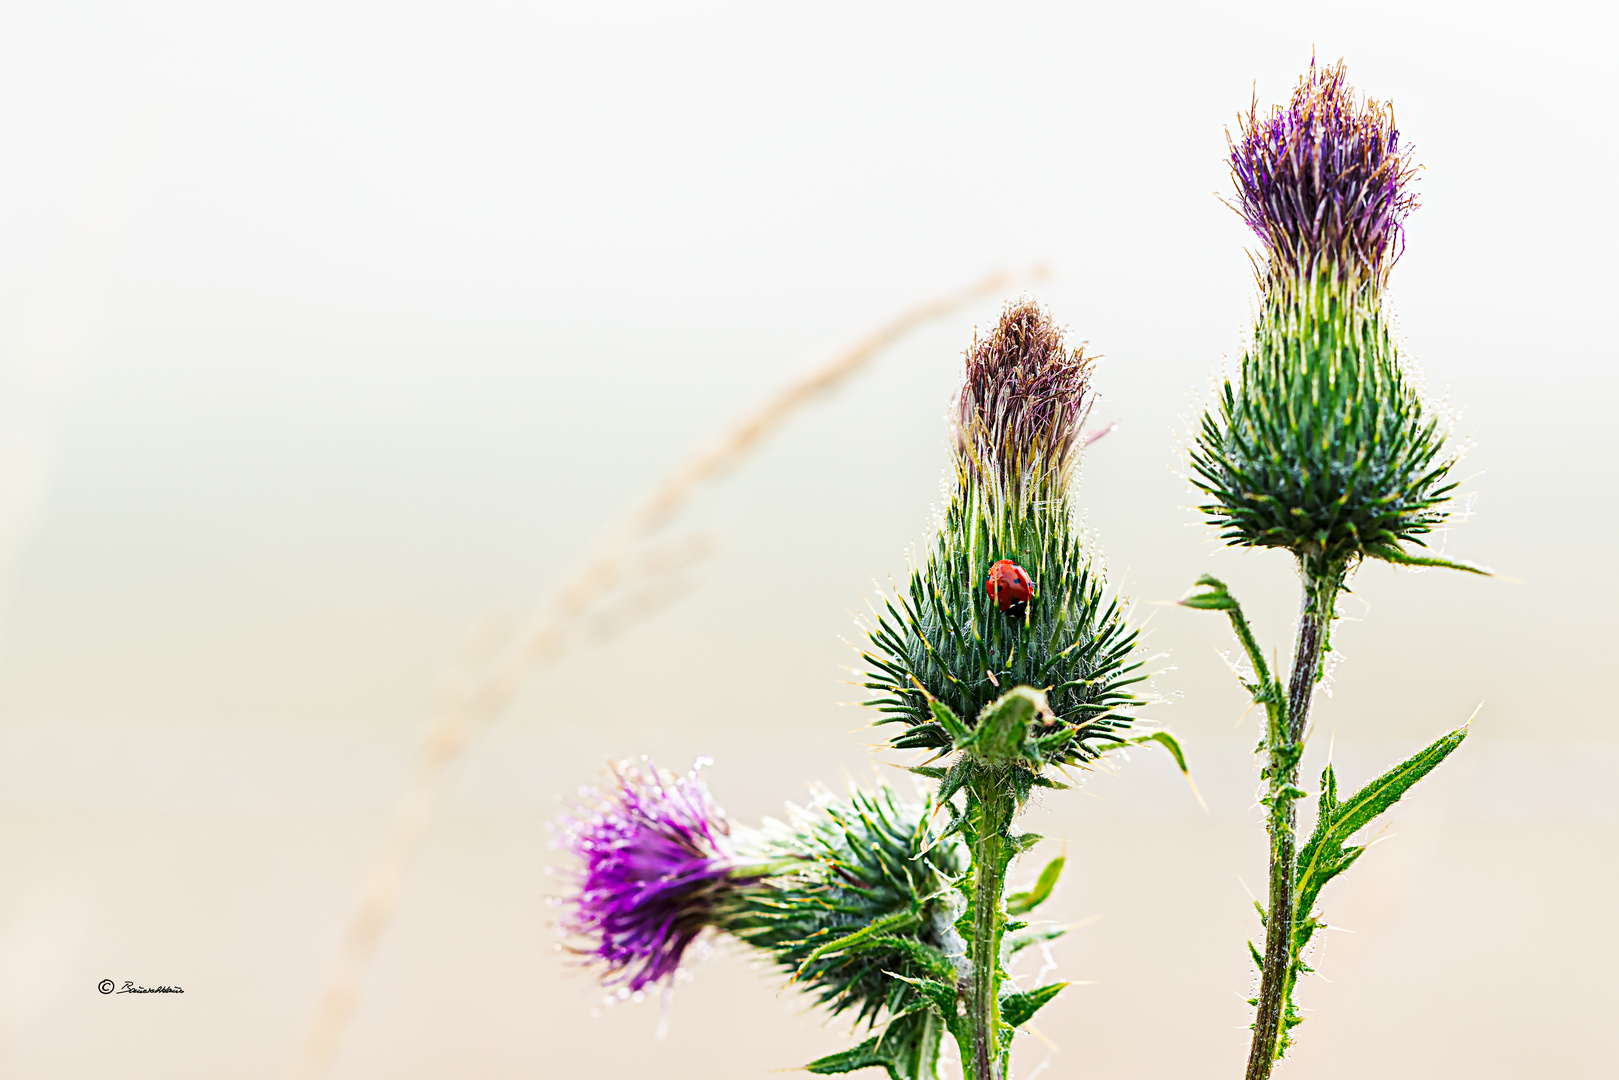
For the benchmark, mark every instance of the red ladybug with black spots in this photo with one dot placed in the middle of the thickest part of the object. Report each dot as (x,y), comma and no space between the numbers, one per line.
(1011,587)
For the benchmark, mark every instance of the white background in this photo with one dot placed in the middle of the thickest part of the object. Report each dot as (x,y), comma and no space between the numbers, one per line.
(326,329)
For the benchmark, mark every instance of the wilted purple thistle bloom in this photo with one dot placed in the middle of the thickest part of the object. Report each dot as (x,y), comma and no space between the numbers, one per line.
(1324,177)
(655,869)
(1024,398)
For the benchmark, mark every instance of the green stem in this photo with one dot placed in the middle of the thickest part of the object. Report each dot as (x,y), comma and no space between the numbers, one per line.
(1322,581)
(991,853)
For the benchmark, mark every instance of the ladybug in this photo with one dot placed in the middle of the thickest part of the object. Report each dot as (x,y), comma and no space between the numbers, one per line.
(1010,586)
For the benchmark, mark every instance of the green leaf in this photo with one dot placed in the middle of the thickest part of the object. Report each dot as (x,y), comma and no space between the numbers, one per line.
(890,922)
(931,960)
(1327,853)
(947,719)
(1167,741)
(1395,555)
(1021,903)
(939,995)
(908,1049)
(1019,1009)
(1266,691)
(1016,943)
(1001,732)
(860,1057)
(1214,596)
(956,778)
(1324,855)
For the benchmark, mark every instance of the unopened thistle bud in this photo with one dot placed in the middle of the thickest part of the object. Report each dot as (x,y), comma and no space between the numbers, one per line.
(1323,444)
(1009,595)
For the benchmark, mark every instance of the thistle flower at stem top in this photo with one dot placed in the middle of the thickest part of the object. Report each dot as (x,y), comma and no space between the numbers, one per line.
(964,632)
(1322,443)
(1024,397)
(1324,180)
(1005,653)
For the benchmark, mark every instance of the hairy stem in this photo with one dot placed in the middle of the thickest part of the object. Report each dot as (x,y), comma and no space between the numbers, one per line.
(1285,744)
(990,856)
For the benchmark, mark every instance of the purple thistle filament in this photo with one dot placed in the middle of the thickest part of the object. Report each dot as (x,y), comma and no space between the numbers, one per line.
(1324,177)
(653,872)
(1024,396)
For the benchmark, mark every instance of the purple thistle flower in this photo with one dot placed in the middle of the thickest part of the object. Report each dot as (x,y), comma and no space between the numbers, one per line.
(656,868)
(1324,178)
(1023,400)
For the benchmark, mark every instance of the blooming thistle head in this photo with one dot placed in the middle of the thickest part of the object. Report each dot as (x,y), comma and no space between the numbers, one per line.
(656,870)
(1323,445)
(1323,180)
(1022,402)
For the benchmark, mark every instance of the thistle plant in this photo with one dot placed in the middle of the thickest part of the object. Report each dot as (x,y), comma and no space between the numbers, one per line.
(1004,660)
(1323,446)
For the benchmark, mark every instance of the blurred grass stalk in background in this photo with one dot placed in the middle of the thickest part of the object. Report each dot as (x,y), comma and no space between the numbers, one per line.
(629,574)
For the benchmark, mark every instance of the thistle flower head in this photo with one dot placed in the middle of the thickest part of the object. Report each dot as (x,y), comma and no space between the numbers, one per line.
(1010,594)
(656,868)
(1023,400)
(1324,179)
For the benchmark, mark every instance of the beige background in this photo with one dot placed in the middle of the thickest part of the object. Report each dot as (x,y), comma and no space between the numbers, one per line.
(325,330)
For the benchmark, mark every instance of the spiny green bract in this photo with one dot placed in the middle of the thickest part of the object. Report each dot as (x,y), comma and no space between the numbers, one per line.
(868,904)
(947,639)
(1323,445)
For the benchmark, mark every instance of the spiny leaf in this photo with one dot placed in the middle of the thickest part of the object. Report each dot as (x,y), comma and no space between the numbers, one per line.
(1019,1009)
(947,719)
(1167,741)
(1326,855)
(953,781)
(1021,903)
(890,922)
(1323,856)
(1393,554)
(908,1049)
(1215,597)
(1018,942)
(942,996)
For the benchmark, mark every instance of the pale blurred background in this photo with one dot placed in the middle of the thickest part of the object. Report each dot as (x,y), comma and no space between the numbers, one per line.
(327,329)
